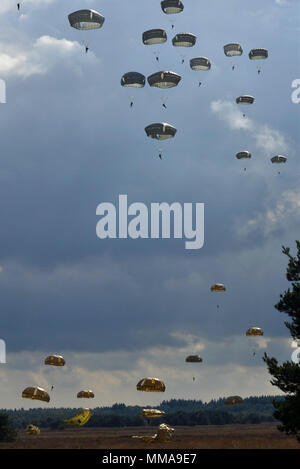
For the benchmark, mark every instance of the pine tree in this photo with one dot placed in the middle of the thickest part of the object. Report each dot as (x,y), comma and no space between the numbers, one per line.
(287,376)
(7,432)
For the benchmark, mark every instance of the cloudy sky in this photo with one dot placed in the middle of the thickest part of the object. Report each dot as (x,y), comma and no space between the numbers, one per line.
(121,310)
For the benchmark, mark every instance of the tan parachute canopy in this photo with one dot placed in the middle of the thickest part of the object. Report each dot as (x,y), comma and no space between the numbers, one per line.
(171,6)
(194,359)
(233,49)
(35,392)
(151,385)
(80,419)
(152,413)
(164,434)
(218,287)
(258,54)
(55,360)
(88,394)
(154,36)
(254,331)
(233,400)
(32,430)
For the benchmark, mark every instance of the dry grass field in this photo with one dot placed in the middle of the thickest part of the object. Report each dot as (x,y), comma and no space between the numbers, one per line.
(262,436)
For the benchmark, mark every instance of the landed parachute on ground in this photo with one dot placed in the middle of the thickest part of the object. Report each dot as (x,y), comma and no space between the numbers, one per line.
(258,54)
(218,287)
(86,19)
(152,413)
(184,40)
(134,79)
(154,36)
(171,6)
(254,331)
(233,400)
(80,419)
(87,394)
(164,79)
(151,385)
(160,131)
(32,430)
(194,359)
(55,360)
(233,49)
(35,392)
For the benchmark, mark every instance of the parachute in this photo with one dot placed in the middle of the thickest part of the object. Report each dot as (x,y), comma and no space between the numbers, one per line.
(242,155)
(154,36)
(171,6)
(194,359)
(164,434)
(258,54)
(151,385)
(200,63)
(184,40)
(152,413)
(80,419)
(35,392)
(278,159)
(164,79)
(160,131)
(254,331)
(135,79)
(32,430)
(86,19)
(233,49)
(218,287)
(245,99)
(55,360)
(87,394)
(233,400)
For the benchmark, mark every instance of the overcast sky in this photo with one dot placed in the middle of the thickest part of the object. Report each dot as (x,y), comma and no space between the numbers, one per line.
(121,310)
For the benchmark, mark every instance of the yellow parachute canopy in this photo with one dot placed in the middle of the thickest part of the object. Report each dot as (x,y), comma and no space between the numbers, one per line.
(218,287)
(233,400)
(80,419)
(55,360)
(34,392)
(152,413)
(88,394)
(151,385)
(254,331)
(32,430)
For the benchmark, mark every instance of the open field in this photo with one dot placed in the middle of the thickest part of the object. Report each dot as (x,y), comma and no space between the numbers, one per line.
(262,436)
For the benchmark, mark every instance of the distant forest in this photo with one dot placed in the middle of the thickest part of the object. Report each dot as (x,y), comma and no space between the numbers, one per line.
(177,412)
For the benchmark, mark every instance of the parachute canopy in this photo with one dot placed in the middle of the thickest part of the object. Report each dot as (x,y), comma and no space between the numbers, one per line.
(35,392)
(55,360)
(151,385)
(233,400)
(135,79)
(160,131)
(32,430)
(80,419)
(245,99)
(218,287)
(254,331)
(257,54)
(154,36)
(152,413)
(184,40)
(200,63)
(88,394)
(233,49)
(278,159)
(164,79)
(171,6)
(194,359)
(242,155)
(86,19)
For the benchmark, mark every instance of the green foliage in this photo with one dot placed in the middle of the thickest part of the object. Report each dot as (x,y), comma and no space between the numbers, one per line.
(287,376)
(7,431)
